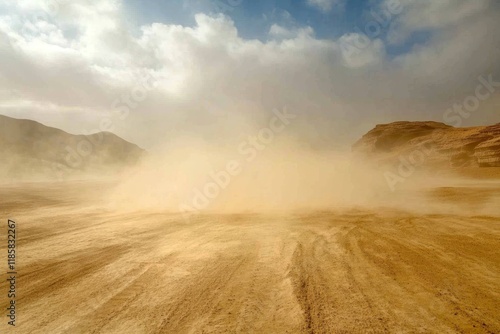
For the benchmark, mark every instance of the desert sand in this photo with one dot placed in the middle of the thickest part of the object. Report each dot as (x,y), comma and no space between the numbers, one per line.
(85,268)
(246,166)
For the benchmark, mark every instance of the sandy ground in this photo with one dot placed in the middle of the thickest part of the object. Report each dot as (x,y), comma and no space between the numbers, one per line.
(85,269)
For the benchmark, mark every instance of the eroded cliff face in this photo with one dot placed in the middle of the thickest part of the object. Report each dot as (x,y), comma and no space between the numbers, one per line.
(488,153)
(436,144)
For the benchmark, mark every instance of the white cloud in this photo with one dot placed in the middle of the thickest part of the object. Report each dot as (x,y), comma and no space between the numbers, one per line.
(277,31)
(214,84)
(358,50)
(326,5)
(432,15)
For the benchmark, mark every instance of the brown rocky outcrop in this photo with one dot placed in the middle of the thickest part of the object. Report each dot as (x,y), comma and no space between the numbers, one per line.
(435,143)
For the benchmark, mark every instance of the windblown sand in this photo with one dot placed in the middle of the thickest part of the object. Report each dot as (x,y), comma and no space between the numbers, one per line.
(87,269)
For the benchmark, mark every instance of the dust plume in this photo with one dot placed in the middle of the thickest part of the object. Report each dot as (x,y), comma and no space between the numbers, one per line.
(197,176)
(193,176)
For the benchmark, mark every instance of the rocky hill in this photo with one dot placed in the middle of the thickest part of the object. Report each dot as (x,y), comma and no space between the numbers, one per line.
(30,149)
(432,143)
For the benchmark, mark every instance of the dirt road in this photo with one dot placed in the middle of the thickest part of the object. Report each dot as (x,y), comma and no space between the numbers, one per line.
(85,269)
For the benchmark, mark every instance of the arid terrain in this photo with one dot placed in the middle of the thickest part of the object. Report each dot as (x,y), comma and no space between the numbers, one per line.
(442,145)
(84,268)
(249,167)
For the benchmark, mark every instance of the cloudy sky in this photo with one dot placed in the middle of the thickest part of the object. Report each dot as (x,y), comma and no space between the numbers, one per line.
(154,70)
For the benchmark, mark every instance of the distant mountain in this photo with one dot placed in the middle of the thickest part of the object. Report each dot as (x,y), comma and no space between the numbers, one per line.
(433,144)
(30,150)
